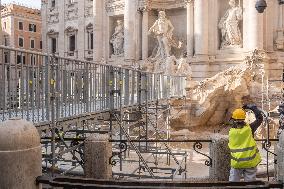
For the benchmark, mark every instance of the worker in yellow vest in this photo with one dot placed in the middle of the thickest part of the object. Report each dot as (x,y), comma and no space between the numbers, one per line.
(244,152)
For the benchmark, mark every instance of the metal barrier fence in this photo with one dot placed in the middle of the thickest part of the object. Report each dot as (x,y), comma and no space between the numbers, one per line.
(42,88)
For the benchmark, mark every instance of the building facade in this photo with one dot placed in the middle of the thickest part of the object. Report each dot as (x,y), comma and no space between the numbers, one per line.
(215,34)
(68,28)
(21,27)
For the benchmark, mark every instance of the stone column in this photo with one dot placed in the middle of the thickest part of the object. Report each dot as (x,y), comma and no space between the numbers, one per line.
(80,43)
(190,28)
(253,27)
(98,150)
(20,155)
(201,27)
(145,25)
(44,9)
(220,154)
(280,36)
(61,42)
(98,30)
(269,25)
(129,31)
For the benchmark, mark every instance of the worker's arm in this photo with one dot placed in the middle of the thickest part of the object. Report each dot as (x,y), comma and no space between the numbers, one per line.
(258,117)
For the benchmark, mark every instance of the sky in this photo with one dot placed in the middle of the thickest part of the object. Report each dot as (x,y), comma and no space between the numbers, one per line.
(28,3)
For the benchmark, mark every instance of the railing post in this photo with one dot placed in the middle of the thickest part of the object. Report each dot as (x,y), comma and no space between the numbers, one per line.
(280,159)
(20,155)
(220,154)
(98,151)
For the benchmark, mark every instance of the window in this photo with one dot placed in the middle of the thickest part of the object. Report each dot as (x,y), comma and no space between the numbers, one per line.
(21,26)
(53,45)
(21,59)
(72,46)
(32,59)
(90,40)
(32,27)
(52,3)
(6,40)
(6,57)
(5,25)
(21,42)
(32,43)
(40,44)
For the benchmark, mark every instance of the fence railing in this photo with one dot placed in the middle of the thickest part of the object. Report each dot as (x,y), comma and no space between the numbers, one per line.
(35,85)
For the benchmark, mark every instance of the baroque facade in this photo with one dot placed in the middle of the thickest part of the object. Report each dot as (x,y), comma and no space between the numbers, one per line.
(214,34)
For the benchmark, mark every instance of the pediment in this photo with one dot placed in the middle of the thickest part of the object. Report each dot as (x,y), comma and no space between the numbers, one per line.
(52,32)
(89,26)
(70,29)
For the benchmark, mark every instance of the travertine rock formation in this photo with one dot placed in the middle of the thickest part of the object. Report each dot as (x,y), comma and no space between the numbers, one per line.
(211,101)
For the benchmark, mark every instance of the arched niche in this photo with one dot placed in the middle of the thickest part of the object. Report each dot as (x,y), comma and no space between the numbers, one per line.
(223,6)
(178,18)
(112,24)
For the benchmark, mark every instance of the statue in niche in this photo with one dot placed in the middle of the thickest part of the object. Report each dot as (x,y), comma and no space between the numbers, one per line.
(229,25)
(163,31)
(117,38)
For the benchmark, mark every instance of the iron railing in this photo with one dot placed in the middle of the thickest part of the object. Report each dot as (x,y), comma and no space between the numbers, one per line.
(33,84)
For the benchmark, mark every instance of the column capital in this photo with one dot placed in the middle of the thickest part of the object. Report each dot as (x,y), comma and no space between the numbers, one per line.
(144,6)
(143,9)
(186,2)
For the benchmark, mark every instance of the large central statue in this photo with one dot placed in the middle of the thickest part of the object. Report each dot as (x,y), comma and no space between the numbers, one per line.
(229,25)
(163,31)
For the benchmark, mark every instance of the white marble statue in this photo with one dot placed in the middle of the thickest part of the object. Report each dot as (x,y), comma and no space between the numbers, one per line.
(184,68)
(229,25)
(163,31)
(170,66)
(117,38)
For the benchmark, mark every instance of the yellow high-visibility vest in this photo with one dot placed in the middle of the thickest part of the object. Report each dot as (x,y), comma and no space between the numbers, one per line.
(244,152)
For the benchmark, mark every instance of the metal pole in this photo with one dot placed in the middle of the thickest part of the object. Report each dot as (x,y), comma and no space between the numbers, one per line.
(52,100)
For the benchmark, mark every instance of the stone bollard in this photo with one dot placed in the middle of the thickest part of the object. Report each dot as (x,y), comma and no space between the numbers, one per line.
(20,155)
(220,154)
(280,159)
(98,150)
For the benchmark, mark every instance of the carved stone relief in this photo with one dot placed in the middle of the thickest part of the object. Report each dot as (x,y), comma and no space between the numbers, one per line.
(88,11)
(161,4)
(53,18)
(71,14)
(71,11)
(88,8)
(114,6)
(71,3)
